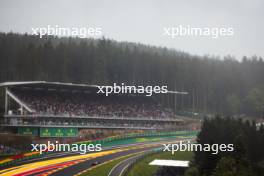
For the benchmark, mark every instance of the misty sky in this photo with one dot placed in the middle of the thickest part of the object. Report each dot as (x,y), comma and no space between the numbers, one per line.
(144,21)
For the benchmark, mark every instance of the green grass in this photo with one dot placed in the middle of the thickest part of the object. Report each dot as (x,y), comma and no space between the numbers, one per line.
(142,167)
(104,169)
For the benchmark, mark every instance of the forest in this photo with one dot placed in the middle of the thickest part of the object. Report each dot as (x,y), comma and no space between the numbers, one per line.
(228,85)
(247,159)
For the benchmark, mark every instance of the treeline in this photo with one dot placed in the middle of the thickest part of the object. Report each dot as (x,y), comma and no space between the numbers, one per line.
(247,159)
(224,86)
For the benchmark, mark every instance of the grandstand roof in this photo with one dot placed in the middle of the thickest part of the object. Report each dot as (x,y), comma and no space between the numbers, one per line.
(58,85)
(46,84)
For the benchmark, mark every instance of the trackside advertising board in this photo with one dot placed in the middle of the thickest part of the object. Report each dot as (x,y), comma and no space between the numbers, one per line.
(58,132)
(28,131)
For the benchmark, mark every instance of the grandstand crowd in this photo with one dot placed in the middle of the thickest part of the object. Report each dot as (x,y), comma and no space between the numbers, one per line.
(93,105)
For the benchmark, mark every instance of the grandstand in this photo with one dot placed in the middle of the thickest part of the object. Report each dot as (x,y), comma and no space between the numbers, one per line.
(60,109)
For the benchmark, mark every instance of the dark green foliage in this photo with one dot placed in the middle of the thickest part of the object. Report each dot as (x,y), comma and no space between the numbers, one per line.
(247,157)
(228,166)
(193,171)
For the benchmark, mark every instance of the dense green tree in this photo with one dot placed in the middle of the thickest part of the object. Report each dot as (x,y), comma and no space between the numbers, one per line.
(228,166)
(255,100)
(247,157)
(233,104)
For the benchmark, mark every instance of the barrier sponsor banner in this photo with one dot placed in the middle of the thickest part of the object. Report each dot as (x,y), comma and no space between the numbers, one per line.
(58,132)
(28,131)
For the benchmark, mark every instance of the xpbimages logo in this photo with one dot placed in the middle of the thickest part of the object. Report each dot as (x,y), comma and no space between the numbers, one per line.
(125,89)
(188,146)
(82,32)
(58,147)
(189,31)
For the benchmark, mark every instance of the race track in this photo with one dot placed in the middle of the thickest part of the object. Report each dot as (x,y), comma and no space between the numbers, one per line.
(71,164)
